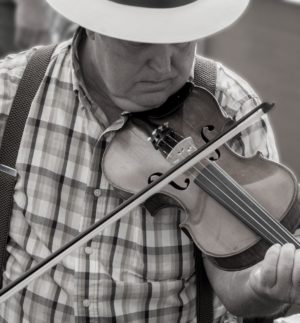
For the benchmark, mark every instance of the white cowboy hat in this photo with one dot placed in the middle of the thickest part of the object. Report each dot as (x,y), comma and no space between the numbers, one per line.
(152,21)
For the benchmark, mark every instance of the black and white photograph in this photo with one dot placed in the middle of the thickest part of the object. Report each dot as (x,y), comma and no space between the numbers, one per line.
(149,161)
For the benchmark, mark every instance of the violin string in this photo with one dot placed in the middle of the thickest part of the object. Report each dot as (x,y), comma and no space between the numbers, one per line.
(234,201)
(213,183)
(275,223)
(279,226)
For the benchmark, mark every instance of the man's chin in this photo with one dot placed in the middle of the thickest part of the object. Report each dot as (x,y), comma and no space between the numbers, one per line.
(144,100)
(153,100)
(141,104)
(135,106)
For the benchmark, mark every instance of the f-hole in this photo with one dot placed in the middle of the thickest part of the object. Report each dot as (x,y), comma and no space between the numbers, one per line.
(172,183)
(207,134)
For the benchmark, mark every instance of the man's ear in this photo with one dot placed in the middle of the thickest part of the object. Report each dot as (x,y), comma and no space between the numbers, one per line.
(90,34)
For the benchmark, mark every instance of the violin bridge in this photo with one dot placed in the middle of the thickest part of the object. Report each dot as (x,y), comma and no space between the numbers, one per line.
(182,150)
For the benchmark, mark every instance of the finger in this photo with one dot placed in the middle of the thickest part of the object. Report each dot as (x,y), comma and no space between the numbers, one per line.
(295,296)
(296,271)
(268,273)
(297,234)
(285,266)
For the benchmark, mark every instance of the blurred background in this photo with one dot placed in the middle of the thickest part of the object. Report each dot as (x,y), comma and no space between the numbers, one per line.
(26,23)
(263,47)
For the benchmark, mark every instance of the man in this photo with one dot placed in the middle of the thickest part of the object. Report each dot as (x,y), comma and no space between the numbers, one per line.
(129,56)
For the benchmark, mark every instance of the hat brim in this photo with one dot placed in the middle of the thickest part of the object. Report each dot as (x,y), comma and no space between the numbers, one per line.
(193,21)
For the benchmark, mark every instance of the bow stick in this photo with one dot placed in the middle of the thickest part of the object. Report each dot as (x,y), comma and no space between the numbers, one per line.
(135,200)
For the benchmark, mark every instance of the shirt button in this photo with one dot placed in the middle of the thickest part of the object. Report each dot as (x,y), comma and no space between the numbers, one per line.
(97,192)
(88,250)
(86,303)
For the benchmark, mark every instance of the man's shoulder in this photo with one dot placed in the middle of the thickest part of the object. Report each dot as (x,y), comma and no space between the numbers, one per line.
(12,68)
(227,81)
(236,97)
(13,65)
(233,91)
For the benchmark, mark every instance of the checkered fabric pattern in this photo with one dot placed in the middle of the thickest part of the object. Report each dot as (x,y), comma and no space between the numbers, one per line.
(140,269)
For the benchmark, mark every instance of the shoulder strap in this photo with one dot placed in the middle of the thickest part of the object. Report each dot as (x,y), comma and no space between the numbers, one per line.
(204,292)
(205,73)
(28,86)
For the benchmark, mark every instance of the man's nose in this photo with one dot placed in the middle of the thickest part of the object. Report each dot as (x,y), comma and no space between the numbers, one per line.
(161,59)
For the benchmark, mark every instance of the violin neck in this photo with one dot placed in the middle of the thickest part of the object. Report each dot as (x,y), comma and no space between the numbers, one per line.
(223,188)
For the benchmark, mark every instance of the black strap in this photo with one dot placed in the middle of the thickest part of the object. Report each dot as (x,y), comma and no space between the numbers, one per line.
(204,303)
(28,86)
(205,75)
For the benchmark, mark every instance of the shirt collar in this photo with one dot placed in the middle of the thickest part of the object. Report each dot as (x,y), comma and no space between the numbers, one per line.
(76,72)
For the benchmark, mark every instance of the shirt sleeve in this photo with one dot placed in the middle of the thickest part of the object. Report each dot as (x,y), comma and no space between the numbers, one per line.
(236,97)
(11,71)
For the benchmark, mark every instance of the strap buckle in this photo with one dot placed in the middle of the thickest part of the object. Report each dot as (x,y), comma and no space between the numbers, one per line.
(8,170)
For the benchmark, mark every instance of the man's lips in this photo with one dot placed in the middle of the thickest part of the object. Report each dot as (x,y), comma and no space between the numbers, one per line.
(156,85)
(159,80)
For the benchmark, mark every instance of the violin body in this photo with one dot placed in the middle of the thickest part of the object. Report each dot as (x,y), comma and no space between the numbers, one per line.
(131,163)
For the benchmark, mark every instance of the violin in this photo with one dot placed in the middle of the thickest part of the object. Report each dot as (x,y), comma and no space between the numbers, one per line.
(235,207)
(177,155)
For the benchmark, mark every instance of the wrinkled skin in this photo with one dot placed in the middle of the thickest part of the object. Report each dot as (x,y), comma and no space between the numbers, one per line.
(278,276)
(137,76)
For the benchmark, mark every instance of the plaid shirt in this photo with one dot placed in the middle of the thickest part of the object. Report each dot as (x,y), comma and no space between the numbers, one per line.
(140,269)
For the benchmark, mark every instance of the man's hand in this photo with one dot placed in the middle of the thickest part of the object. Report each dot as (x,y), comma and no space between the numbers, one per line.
(277,277)
(262,290)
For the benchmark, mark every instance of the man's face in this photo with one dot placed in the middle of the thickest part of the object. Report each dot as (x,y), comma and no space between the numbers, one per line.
(140,76)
